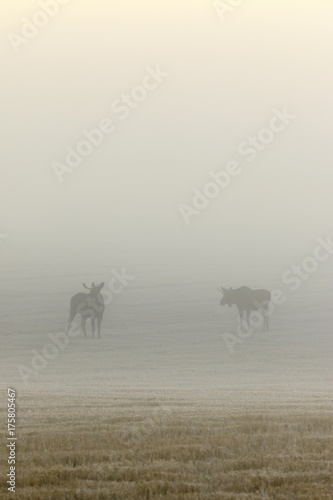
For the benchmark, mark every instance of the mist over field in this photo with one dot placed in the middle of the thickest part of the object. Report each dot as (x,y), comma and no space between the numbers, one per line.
(165,335)
(167,149)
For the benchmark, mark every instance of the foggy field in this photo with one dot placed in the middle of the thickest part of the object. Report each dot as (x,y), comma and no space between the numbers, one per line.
(166,336)
(170,159)
(160,408)
(113,444)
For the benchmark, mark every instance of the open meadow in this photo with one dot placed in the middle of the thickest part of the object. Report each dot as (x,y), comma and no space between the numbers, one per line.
(175,445)
(159,407)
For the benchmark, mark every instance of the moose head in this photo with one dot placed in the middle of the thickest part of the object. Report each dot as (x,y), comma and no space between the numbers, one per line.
(227,296)
(94,289)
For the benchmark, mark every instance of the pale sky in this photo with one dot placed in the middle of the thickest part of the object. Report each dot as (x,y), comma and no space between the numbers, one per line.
(121,204)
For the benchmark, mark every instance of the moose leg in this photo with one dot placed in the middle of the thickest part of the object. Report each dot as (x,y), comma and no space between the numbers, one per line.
(241,318)
(265,320)
(68,325)
(99,321)
(266,316)
(83,326)
(93,325)
(264,311)
(248,316)
(69,322)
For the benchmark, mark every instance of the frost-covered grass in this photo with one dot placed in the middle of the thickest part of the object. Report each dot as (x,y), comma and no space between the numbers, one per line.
(174,445)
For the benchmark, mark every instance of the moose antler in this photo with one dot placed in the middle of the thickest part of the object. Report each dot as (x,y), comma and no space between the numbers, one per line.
(85,286)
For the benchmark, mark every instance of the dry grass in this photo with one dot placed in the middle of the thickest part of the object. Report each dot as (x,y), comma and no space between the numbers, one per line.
(173,446)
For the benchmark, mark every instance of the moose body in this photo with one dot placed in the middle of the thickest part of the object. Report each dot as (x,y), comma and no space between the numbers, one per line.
(247,300)
(88,305)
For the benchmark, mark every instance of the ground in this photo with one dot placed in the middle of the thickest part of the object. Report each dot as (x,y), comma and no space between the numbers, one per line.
(174,445)
(159,408)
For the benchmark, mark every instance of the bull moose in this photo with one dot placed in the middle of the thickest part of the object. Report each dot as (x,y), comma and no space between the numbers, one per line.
(247,300)
(88,305)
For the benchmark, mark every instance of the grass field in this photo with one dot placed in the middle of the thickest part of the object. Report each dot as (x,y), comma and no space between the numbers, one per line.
(159,408)
(177,445)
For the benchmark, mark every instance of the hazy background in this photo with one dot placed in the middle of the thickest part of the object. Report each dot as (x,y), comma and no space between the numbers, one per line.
(120,207)
(160,404)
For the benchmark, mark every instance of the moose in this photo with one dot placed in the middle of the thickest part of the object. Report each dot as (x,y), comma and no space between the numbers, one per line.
(247,300)
(88,305)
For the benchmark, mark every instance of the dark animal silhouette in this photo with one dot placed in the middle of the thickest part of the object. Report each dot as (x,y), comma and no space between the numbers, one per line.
(247,300)
(88,305)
